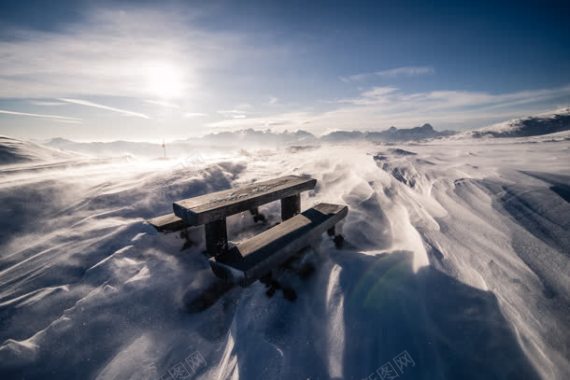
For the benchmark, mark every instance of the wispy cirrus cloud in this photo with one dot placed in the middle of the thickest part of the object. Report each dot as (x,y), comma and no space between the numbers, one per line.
(405,71)
(294,120)
(163,103)
(371,96)
(392,98)
(42,116)
(87,103)
(241,111)
(194,114)
(46,103)
(233,114)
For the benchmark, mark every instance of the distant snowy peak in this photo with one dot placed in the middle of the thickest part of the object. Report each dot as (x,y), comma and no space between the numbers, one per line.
(541,124)
(257,137)
(426,131)
(338,136)
(15,151)
(58,142)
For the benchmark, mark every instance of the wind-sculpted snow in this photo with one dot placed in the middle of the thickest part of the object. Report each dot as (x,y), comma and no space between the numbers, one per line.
(456,260)
(14,151)
(557,121)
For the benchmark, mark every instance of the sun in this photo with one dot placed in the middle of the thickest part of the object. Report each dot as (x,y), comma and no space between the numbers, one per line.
(164,80)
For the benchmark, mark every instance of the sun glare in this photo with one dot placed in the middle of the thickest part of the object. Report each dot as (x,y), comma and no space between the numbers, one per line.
(165,80)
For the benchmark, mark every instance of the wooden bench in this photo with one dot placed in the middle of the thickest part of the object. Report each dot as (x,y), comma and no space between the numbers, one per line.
(257,256)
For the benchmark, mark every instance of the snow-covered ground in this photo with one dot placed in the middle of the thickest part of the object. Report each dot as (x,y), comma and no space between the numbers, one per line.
(456,266)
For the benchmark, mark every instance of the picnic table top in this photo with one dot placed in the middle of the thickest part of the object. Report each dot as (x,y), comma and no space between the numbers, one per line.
(216,206)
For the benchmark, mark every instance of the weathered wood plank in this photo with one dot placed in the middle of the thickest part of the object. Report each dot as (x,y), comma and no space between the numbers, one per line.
(167,223)
(256,257)
(215,206)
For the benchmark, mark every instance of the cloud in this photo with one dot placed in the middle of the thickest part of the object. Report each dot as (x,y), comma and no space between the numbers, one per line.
(113,52)
(375,95)
(42,116)
(378,108)
(167,57)
(233,114)
(291,120)
(162,103)
(392,99)
(405,71)
(381,107)
(194,114)
(87,103)
(46,103)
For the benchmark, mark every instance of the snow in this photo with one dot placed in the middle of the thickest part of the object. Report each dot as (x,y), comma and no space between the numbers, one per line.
(541,124)
(14,151)
(457,252)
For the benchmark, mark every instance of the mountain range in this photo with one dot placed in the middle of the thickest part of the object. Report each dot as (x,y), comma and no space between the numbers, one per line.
(540,124)
(246,138)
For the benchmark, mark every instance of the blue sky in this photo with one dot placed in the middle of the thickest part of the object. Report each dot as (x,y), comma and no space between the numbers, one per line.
(96,70)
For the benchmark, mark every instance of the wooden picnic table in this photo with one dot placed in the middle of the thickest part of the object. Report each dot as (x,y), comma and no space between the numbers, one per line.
(247,261)
(212,209)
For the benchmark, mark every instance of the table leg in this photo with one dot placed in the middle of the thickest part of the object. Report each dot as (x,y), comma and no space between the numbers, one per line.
(290,206)
(257,216)
(216,237)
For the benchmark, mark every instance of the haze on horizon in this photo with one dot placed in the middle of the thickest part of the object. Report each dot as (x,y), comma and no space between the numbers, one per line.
(123,70)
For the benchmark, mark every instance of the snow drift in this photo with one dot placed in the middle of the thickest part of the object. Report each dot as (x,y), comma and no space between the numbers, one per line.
(14,151)
(456,254)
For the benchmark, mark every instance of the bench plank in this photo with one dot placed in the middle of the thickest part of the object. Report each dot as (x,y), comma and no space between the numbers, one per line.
(256,257)
(215,206)
(167,223)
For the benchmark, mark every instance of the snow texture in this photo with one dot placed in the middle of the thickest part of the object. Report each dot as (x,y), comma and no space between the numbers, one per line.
(457,253)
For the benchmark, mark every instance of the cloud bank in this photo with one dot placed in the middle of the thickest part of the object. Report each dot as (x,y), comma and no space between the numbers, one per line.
(382,107)
(112,52)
